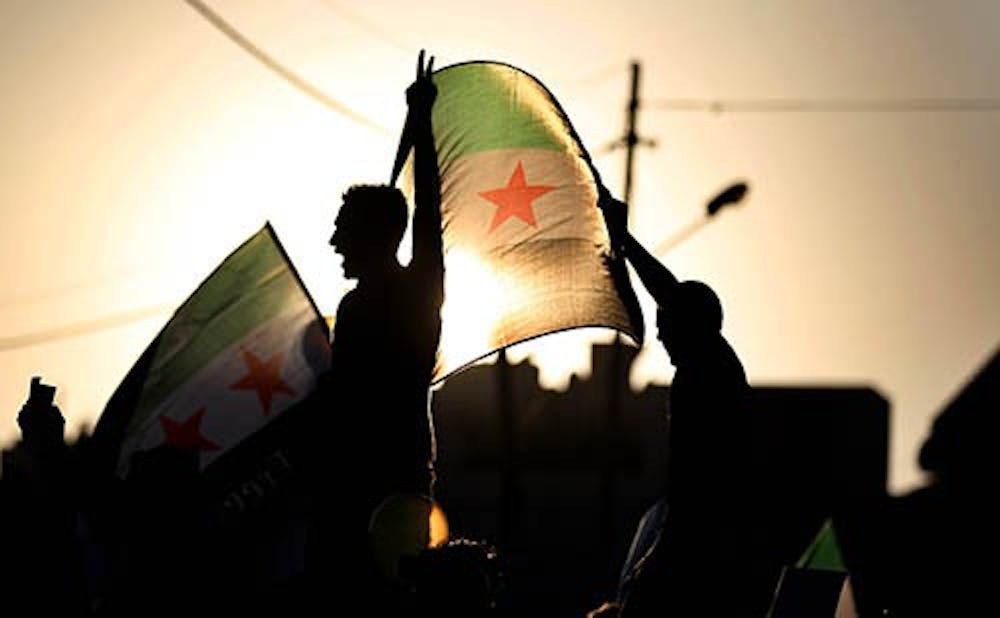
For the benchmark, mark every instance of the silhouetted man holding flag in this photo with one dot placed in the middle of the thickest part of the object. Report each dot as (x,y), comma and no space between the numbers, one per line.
(705,560)
(379,434)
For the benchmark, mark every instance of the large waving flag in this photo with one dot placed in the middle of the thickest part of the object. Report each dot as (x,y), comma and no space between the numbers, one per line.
(243,348)
(525,247)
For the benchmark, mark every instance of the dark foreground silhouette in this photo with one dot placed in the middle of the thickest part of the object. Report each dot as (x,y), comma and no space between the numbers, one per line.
(77,541)
(931,549)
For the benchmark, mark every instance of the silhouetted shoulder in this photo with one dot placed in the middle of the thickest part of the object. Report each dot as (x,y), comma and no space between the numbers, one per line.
(349,304)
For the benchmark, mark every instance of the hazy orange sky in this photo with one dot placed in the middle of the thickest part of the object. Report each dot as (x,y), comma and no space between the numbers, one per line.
(140,146)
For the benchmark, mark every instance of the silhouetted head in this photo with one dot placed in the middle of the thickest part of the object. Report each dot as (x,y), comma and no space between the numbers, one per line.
(693,316)
(461,578)
(960,447)
(368,229)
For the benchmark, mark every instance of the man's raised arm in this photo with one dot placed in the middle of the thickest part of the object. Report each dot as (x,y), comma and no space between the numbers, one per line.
(657,278)
(427,244)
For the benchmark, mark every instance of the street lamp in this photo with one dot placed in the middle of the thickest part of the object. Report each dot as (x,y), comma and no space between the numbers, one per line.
(730,196)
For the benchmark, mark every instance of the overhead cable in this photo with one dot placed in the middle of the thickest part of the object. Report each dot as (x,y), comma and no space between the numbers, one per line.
(285,73)
(83,328)
(721,106)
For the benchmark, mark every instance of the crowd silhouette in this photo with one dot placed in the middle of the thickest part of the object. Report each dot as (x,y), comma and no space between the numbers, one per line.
(77,540)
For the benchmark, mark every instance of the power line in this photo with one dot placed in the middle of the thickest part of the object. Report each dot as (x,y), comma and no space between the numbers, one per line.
(720,106)
(82,328)
(113,277)
(67,331)
(285,73)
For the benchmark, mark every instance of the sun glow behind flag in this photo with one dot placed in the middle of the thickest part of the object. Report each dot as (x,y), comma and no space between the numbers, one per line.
(525,247)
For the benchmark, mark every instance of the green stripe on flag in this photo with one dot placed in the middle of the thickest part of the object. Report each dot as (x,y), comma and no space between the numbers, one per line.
(485,106)
(249,288)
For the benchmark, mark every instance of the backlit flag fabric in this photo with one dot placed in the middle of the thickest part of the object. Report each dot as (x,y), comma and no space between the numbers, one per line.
(525,247)
(243,348)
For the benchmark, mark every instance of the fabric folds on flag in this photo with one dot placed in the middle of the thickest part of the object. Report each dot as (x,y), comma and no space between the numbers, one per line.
(525,246)
(244,347)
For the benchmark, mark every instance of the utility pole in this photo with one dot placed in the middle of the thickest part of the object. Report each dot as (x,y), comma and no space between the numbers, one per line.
(631,138)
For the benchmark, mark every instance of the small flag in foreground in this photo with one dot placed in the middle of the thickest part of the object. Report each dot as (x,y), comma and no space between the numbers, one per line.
(818,585)
(526,250)
(824,552)
(243,348)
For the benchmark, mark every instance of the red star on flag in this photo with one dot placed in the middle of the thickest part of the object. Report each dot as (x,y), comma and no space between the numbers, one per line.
(515,199)
(263,377)
(186,435)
